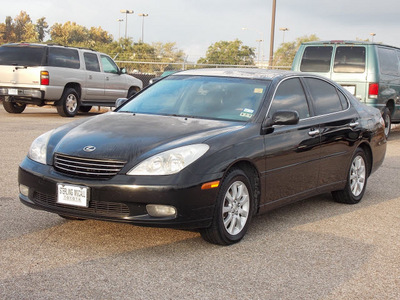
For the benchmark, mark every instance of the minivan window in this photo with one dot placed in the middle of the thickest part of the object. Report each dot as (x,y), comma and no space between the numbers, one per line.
(30,56)
(62,57)
(325,96)
(91,62)
(349,60)
(388,61)
(290,96)
(316,59)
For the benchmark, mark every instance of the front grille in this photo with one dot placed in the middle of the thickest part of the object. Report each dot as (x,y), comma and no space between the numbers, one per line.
(87,167)
(109,209)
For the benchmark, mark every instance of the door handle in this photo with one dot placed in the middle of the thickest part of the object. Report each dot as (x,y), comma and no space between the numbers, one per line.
(354,124)
(313,132)
(90,77)
(107,78)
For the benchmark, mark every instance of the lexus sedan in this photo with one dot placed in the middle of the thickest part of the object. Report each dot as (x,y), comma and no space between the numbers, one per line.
(207,150)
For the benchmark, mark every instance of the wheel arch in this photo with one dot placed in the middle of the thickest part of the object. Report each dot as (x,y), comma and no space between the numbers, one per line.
(76,86)
(368,153)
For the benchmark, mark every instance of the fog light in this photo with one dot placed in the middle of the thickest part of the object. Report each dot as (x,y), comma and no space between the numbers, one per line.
(156,210)
(24,190)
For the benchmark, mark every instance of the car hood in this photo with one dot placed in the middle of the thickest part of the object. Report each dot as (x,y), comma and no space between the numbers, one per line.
(132,137)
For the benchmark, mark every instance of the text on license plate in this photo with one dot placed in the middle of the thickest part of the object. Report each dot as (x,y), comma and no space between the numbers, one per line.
(72,195)
(350,88)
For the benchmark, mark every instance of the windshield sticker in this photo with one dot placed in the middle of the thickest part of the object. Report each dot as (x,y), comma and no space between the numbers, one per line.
(258,91)
(247,113)
(248,110)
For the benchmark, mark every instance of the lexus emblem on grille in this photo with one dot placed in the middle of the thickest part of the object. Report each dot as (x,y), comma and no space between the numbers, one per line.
(89,148)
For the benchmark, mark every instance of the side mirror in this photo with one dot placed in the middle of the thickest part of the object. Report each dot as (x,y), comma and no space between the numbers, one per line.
(122,71)
(120,102)
(282,117)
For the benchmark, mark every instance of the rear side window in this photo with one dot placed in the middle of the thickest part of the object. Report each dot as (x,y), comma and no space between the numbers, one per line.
(30,56)
(349,60)
(325,96)
(388,61)
(62,57)
(290,96)
(316,59)
(91,62)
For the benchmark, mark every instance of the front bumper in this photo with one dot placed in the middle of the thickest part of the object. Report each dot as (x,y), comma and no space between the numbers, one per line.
(120,199)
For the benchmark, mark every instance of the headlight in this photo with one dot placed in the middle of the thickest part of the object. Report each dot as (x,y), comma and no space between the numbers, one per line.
(171,161)
(38,149)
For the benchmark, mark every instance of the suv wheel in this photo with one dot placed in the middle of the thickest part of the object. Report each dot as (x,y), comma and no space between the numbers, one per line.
(69,103)
(13,107)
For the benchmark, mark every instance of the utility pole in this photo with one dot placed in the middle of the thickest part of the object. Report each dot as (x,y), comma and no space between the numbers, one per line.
(271,47)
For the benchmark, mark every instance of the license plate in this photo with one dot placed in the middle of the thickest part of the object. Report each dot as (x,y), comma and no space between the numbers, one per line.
(13,92)
(351,89)
(72,195)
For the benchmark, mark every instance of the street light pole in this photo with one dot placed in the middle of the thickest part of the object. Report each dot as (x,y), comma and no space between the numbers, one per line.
(271,47)
(143,16)
(119,27)
(126,12)
(283,29)
(372,34)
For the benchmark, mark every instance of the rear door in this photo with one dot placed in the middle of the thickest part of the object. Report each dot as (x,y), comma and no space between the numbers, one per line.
(94,77)
(292,152)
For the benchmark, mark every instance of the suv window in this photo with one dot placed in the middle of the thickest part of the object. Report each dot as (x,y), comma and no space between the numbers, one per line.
(349,60)
(109,65)
(91,62)
(325,96)
(31,56)
(316,59)
(290,96)
(388,61)
(62,57)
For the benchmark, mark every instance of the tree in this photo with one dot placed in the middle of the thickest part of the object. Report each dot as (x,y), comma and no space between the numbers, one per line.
(229,53)
(41,28)
(284,55)
(24,30)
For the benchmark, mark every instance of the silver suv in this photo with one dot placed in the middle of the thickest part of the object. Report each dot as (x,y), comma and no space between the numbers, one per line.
(72,79)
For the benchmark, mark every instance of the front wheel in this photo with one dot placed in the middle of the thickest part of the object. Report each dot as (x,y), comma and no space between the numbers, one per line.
(356,180)
(233,211)
(69,103)
(13,107)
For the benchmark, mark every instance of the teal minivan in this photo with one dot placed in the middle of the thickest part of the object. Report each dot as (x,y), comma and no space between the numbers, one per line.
(369,71)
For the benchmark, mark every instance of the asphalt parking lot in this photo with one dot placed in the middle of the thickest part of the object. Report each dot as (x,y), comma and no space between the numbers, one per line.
(313,249)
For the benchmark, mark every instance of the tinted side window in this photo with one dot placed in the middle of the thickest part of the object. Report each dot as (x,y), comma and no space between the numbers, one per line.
(349,60)
(290,96)
(316,59)
(388,61)
(91,62)
(108,65)
(325,96)
(66,58)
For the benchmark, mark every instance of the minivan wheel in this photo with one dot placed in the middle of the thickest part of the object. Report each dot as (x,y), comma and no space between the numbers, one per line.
(387,117)
(69,103)
(356,180)
(13,107)
(233,211)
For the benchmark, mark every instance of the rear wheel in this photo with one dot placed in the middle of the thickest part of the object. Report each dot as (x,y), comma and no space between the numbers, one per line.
(13,107)
(233,211)
(69,103)
(387,117)
(356,180)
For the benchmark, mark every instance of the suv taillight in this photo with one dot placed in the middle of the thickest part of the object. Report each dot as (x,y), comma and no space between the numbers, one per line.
(44,78)
(373,90)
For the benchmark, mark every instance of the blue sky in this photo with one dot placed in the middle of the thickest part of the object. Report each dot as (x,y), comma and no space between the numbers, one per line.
(196,24)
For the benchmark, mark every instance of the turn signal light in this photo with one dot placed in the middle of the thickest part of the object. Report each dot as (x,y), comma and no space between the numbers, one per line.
(373,90)
(210,185)
(44,78)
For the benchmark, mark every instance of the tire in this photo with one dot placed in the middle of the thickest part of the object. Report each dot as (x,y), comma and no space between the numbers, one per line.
(131,92)
(85,109)
(13,107)
(69,103)
(233,212)
(356,180)
(387,117)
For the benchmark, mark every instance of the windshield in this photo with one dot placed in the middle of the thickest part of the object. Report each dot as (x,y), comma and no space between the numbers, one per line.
(22,55)
(220,98)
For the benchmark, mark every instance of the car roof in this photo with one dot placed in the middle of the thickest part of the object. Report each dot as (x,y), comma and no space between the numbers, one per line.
(251,73)
(346,42)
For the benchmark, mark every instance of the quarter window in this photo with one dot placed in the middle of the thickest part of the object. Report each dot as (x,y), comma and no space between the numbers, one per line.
(63,57)
(316,59)
(325,96)
(388,61)
(290,96)
(91,62)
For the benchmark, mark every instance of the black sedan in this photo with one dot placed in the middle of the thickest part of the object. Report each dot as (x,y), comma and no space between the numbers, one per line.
(207,150)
